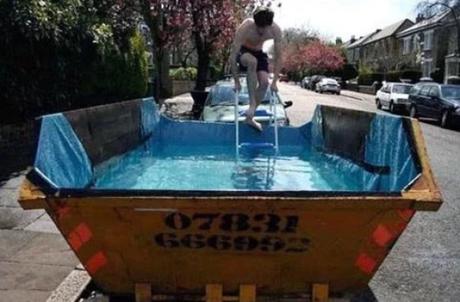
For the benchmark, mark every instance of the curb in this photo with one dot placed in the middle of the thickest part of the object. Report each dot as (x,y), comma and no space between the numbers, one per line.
(72,287)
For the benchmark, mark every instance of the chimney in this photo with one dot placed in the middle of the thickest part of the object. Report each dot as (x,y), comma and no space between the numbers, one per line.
(420,18)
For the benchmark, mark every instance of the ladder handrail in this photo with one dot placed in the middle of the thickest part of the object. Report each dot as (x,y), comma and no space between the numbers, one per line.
(237,126)
(275,117)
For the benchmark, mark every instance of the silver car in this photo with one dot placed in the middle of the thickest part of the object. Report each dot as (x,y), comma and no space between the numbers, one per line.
(328,85)
(220,105)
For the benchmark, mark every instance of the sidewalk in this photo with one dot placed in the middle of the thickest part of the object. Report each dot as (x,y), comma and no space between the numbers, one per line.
(34,257)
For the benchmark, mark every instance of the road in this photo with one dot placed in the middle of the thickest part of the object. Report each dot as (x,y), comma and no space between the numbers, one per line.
(424,264)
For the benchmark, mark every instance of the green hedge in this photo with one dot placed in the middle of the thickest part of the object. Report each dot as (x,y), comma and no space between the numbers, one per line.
(396,76)
(369,78)
(183,74)
(63,55)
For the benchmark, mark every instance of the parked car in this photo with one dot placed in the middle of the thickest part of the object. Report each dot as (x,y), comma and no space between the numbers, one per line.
(393,97)
(220,105)
(283,78)
(305,82)
(314,80)
(441,102)
(328,85)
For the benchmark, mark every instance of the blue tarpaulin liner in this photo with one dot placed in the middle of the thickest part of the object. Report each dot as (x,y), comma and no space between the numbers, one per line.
(61,157)
(149,117)
(374,149)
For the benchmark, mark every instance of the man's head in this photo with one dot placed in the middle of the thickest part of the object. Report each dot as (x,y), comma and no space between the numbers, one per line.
(263,16)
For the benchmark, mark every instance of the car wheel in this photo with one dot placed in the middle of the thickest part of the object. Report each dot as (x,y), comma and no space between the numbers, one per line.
(413,112)
(392,107)
(379,105)
(445,119)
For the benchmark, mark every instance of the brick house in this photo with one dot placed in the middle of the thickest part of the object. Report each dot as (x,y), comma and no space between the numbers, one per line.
(431,46)
(381,51)
(354,49)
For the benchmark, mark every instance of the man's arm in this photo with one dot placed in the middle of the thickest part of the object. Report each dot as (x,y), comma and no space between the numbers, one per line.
(278,53)
(237,43)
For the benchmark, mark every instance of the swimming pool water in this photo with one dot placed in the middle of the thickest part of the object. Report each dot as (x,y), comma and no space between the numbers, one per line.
(157,167)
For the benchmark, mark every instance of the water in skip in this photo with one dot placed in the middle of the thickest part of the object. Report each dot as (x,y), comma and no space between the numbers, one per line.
(157,167)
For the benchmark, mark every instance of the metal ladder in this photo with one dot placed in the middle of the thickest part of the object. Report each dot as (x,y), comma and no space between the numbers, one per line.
(259,146)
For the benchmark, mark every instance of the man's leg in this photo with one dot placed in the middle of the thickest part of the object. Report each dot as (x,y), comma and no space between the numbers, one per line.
(250,62)
(262,77)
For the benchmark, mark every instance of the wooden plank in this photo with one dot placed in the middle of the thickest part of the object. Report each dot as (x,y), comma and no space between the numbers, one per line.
(247,293)
(320,292)
(214,293)
(143,292)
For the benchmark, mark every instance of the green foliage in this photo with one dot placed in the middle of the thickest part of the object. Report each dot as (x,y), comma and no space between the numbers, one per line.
(183,74)
(349,72)
(369,78)
(397,76)
(364,69)
(120,75)
(60,55)
(438,75)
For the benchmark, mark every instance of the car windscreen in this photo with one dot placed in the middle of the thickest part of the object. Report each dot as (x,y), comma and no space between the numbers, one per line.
(402,89)
(225,95)
(330,82)
(451,92)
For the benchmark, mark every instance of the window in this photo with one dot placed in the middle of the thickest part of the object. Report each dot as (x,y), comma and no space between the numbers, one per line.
(427,67)
(425,91)
(428,40)
(434,92)
(407,44)
(403,89)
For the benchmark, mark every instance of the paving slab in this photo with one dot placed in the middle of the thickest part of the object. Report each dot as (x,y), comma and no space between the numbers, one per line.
(11,242)
(23,295)
(9,198)
(26,276)
(14,182)
(17,218)
(43,225)
(55,252)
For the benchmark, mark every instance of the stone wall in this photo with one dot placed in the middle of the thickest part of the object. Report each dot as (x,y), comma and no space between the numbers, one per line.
(181,87)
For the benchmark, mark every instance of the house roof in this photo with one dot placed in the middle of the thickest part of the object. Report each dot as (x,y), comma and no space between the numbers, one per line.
(425,24)
(361,40)
(388,31)
(346,44)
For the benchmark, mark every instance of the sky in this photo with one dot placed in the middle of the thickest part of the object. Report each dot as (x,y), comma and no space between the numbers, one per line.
(344,18)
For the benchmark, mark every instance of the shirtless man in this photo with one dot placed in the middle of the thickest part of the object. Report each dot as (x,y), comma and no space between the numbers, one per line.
(247,51)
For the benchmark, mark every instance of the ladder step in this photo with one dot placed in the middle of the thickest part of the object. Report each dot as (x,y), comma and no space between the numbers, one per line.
(257,146)
(258,113)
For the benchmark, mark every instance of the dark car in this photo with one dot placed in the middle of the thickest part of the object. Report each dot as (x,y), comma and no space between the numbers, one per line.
(441,102)
(314,80)
(305,82)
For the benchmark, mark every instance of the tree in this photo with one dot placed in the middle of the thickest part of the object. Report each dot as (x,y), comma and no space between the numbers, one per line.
(429,8)
(169,22)
(52,51)
(321,57)
(315,57)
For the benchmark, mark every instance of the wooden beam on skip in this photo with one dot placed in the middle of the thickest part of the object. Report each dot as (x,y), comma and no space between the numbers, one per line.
(143,292)
(247,293)
(320,292)
(214,293)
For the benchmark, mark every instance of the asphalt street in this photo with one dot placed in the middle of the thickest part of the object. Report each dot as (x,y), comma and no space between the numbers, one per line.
(424,265)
